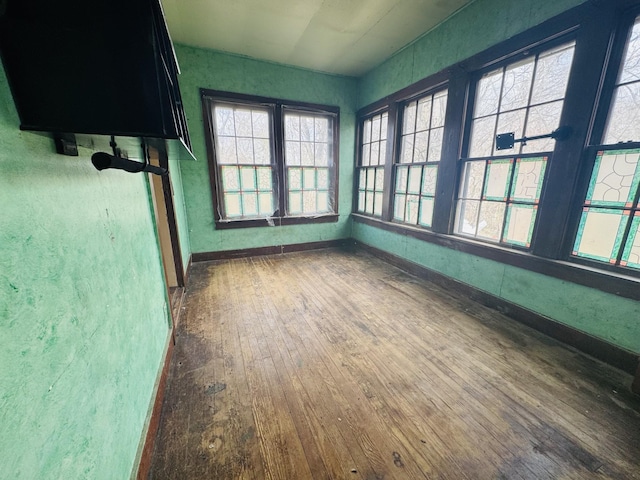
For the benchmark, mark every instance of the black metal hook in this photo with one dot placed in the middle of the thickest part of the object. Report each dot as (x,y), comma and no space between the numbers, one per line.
(505,141)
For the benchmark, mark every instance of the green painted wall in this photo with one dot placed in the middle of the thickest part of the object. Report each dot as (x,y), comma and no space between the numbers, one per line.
(215,70)
(475,28)
(83,315)
(480,25)
(180,211)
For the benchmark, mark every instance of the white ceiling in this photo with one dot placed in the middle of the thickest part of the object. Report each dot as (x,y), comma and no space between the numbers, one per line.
(347,37)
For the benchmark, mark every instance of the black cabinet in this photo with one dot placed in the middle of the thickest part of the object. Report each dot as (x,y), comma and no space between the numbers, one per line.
(92,67)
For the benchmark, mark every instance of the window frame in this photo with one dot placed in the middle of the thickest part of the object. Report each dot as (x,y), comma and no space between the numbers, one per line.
(592,25)
(209,97)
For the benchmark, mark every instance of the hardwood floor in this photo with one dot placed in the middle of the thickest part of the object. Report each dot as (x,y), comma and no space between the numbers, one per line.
(335,365)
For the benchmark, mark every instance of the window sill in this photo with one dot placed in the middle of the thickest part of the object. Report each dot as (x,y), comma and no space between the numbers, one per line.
(275,221)
(616,284)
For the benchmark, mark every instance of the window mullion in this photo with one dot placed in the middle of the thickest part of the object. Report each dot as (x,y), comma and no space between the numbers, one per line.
(444,202)
(393,128)
(280,170)
(555,210)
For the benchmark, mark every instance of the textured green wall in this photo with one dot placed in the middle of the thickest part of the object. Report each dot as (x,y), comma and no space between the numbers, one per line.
(478,26)
(475,28)
(83,316)
(219,71)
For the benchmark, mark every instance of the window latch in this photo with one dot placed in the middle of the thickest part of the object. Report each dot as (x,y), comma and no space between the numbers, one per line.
(505,141)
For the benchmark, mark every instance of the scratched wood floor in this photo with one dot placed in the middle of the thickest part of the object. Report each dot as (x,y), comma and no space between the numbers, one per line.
(336,365)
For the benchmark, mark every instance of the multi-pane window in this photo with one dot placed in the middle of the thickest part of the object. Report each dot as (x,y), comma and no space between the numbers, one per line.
(370,169)
(416,169)
(260,177)
(610,219)
(308,159)
(500,190)
(244,154)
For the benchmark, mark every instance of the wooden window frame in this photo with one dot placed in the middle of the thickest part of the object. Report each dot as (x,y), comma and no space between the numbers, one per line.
(208,98)
(595,27)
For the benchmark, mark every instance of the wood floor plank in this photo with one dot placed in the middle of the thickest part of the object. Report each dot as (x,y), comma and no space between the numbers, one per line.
(335,365)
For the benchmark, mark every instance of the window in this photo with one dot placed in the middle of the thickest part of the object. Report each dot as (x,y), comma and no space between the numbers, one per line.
(271,161)
(500,191)
(370,168)
(610,218)
(416,169)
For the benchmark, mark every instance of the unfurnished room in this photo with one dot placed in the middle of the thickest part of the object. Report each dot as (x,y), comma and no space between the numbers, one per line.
(320,239)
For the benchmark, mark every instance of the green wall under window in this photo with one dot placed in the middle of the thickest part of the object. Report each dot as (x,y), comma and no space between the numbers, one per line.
(220,71)
(475,28)
(83,312)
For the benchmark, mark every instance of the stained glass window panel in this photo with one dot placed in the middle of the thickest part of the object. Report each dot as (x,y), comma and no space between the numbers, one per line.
(379,179)
(631,254)
(309,201)
(250,204)
(264,179)
(377,210)
(490,220)
(369,202)
(363,179)
(413,204)
(361,204)
(429,178)
(323,178)
(519,225)
(308,178)
(472,180)
(371,178)
(295,179)
(498,178)
(248,178)
(232,205)
(414,180)
(265,203)
(528,178)
(426,211)
(399,207)
(365,159)
(467,216)
(230,179)
(295,203)
(615,178)
(323,201)
(401,179)
(600,233)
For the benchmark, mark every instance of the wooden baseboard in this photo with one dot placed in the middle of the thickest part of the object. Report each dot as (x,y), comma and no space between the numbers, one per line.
(635,386)
(144,466)
(272,250)
(596,347)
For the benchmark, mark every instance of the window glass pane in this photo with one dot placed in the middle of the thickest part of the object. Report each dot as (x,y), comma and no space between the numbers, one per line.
(406,153)
(542,119)
(224,120)
(624,117)
(426,211)
(292,127)
(230,179)
(631,254)
(366,155)
(323,202)
(497,181)
(232,205)
(261,151)
(420,147)
(292,153)
(366,131)
(295,179)
(308,178)
(250,204)
(226,151)
(424,114)
(245,150)
(321,129)
(264,179)
(260,124)
(482,137)
(472,179)
(401,179)
(309,201)
(528,178)
(600,233)
(322,154)
(409,118)
(306,129)
(467,216)
(243,122)
(295,203)
(413,204)
(435,144)
(615,178)
(414,180)
(375,154)
(383,126)
(377,210)
(490,220)
(517,85)
(399,206)
(519,226)
(375,129)
(379,179)
(306,153)
(361,201)
(429,178)
(552,74)
(323,178)
(512,122)
(363,179)
(439,109)
(265,203)
(370,178)
(488,94)
(248,178)
(369,203)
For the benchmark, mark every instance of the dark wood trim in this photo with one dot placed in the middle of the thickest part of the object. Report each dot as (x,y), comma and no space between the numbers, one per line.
(394,117)
(596,347)
(270,250)
(635,386)
(623,286)
(144,467)
(277,221)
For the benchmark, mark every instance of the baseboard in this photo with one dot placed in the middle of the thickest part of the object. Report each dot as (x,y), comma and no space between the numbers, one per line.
(596,347)
(145,452)
(187,270)
(271,250)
